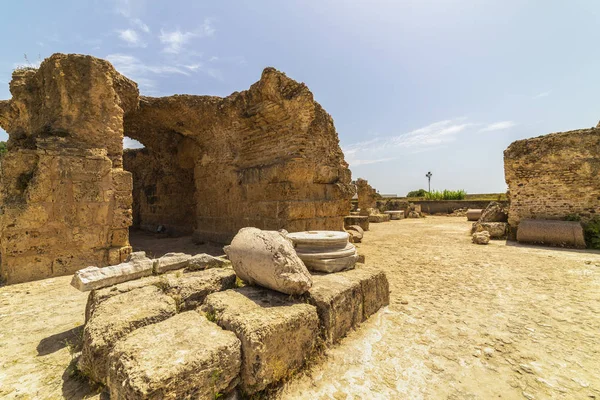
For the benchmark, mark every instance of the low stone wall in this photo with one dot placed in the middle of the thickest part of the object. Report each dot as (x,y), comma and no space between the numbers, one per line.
(437,206)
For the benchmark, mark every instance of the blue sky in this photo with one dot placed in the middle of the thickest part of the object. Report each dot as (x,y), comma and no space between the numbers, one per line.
(413,86)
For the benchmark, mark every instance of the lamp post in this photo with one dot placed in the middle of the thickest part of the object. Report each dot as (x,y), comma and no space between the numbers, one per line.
(428,175)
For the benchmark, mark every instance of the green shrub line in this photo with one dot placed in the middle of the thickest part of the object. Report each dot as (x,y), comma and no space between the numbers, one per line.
(446,195)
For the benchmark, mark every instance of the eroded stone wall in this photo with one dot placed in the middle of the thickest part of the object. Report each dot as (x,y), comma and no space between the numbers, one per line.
(554,176)
(66,201)
(367,196)
(163,193)
(268,157)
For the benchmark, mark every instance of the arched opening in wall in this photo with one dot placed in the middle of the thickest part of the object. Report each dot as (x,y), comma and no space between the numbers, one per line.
(163,187)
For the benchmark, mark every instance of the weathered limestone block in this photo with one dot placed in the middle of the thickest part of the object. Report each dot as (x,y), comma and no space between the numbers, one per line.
(482,237)
(339,303)
(185,356)
(171,261)
(375,288)
(395,214)
(277,333)
(268,259)
(497,230)
(188,289)
(553,233)
(553,176)
(360,220)
(116,317)
(376,218)
(494,212)
(191,288)
(473,214)
(206,261)
(95,278)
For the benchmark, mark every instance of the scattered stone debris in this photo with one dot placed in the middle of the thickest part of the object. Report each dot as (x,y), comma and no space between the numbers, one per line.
(356,233)
(481,237)
(497,230)
(493,220)
(360,220)
(395,214)
(268,258)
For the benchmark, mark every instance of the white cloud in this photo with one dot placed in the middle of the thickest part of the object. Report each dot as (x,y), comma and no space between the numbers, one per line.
(382,149)
(543,94)
(498,126)
(141,25)
(131,66)
(131,37)
(174,41)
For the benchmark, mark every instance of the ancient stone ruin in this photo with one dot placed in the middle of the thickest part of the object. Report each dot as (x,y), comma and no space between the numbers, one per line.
(146,338)
(553,177)
(267,157)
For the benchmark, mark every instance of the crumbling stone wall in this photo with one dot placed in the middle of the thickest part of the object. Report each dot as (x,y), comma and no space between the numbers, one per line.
(163,193)
(66,201)
(367,196)
(268,157)
(553,176)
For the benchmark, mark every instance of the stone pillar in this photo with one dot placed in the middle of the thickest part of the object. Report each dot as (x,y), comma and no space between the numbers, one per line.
(66,201)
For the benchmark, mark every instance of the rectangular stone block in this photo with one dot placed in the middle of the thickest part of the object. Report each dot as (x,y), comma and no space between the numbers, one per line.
(113,319)
(339,303)
(171,261)
(95,278)
(374,286)
(277,333)
(195,359)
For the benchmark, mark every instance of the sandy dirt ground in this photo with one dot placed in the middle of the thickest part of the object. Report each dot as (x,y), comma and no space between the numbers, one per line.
(465,322)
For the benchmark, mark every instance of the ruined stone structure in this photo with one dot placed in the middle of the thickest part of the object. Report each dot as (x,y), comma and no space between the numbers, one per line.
(268,157)
(66,201)
(553,176)
(367,196)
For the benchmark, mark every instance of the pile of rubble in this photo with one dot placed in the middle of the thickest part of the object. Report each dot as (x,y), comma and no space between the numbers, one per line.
(492,223)
(184,326)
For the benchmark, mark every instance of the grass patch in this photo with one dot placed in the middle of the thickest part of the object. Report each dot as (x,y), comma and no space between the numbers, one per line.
(591,231)
(446,195)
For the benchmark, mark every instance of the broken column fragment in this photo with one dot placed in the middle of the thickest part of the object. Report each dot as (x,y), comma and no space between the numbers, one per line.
(268,259)
(324,251)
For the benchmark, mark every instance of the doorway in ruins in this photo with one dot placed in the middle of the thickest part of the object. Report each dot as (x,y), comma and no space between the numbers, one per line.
(163,186)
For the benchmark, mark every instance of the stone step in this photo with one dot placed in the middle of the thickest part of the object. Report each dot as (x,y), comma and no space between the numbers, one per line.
(277,333)
(113,319)
(189,288)
(332,264)
(185,356)
(345,299)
